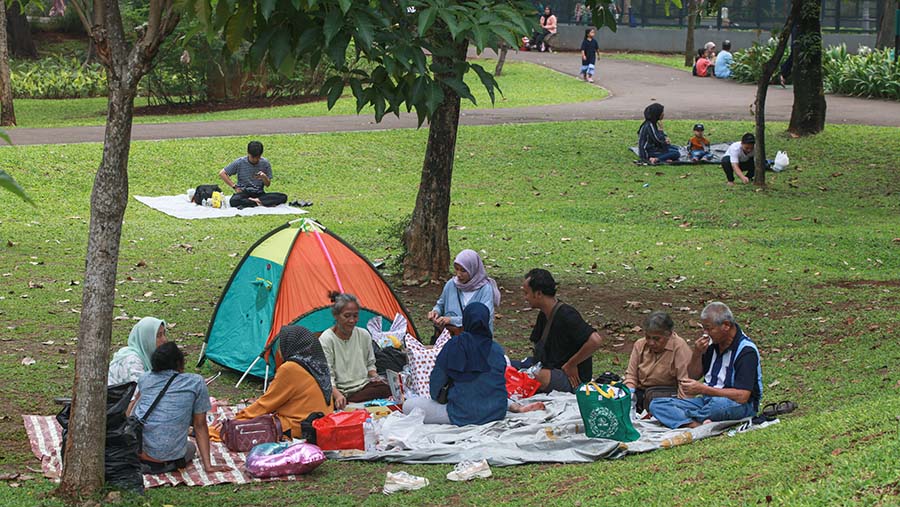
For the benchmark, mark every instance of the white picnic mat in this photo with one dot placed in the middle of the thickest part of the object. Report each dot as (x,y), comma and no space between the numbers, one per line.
(554,435)
(179,206)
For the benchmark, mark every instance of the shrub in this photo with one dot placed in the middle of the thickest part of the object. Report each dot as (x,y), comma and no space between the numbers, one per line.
(871,73)
(57,78)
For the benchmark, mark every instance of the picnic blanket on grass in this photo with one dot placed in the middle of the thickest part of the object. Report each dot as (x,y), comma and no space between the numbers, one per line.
(45,436)
(718,151)
(179,206)
(555,435)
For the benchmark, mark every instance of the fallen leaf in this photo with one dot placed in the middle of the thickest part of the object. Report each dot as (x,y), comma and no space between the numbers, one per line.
(796,219)
(141,264)
(35,285)
(773,384)
(28,361)
(10,244)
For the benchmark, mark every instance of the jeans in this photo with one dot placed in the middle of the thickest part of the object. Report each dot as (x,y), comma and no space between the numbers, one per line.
(670,154)
(675,413)
(700,154)
(588,69)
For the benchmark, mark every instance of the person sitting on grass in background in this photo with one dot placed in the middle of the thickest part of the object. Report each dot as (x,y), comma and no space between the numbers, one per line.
(351,358)
(302,383)
(184,404)
(589,49)
(470,285)
(254,174)
(724,61)
(562,341)
(732,385)
(698,146)
(739,160)
(653,144)
(548,29)
(132,361)
(701,64)
(473,366)
(710,48)
(658,362)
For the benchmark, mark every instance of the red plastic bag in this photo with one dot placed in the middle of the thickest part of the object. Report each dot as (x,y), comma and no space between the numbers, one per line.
(519,384)
(341,430)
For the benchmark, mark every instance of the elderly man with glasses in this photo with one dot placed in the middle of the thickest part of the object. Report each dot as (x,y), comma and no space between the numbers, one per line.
(732,383)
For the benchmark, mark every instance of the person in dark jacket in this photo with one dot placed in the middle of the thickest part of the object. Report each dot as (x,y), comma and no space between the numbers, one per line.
(653,144)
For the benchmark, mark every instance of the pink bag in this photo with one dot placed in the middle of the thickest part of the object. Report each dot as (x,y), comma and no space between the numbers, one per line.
(421,361)
(274,460)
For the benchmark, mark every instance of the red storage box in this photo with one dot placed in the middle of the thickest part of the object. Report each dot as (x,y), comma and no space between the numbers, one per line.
(341,430)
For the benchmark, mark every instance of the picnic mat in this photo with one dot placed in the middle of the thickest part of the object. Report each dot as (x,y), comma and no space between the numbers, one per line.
(555,435)
(45,436)
(179,206)
(718,151)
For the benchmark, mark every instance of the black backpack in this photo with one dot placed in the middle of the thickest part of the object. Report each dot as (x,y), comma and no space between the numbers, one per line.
(204,192)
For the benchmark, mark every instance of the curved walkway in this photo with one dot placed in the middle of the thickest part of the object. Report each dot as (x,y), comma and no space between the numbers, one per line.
(632,86)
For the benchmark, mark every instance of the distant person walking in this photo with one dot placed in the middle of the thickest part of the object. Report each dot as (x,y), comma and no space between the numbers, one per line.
(589,49)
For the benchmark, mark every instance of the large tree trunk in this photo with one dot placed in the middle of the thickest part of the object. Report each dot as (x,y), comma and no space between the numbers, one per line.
(20,42)
(762,88)
(885,37)
(689,50)
(501,59)
(83,468)
(425,239)
(7,111)
(808,113)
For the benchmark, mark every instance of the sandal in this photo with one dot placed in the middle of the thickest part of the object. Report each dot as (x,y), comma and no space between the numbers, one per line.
(785,407)
(770,411)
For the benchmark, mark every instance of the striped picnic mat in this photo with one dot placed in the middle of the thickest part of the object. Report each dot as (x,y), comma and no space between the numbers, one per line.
(45,437)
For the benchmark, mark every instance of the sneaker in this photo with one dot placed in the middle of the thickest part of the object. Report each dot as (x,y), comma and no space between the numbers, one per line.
(468,470)
(590,80)
(402,481)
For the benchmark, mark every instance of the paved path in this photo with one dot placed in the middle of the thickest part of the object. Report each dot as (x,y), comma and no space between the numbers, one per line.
(632,86)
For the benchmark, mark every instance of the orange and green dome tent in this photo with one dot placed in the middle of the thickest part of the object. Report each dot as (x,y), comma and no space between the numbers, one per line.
(285,278)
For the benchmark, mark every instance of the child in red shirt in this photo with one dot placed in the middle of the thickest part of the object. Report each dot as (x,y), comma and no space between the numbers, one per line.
(701,66)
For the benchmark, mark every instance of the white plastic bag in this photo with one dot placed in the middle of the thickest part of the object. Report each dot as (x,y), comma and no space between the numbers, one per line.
(394,337)
(781,162)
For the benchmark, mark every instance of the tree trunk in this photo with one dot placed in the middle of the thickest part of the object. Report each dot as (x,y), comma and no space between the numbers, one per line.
(501,59)
(808,113)
(885,37)
(762,88)
(426,241)
(83,468)
(689,50)
(7,111)
(20,42)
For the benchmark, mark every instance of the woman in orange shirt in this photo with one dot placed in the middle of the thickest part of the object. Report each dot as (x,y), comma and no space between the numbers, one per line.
(302,384)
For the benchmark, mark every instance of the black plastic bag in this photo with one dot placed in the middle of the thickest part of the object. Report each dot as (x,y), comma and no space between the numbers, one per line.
(122,464)
(388,358)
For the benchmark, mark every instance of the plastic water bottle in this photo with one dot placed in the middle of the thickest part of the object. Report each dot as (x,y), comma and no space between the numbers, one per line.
(190,193)
(370,437)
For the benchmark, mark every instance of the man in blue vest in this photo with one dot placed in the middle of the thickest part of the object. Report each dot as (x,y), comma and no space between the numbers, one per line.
(732,384)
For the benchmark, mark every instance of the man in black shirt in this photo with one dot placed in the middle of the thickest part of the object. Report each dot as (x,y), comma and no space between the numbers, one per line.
(565,348)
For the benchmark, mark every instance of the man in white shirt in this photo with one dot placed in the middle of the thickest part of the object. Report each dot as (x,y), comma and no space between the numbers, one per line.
(738,160)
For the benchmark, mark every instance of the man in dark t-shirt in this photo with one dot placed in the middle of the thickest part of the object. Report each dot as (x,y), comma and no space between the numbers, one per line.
(254,174)
(732,377)
(565,349)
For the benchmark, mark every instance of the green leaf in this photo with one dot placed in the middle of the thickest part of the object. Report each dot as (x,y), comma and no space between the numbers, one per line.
(365,30)
(487,79)
(234,29)
(345,5)
(452,23)
(7,182)
(333,23)
(280,47)
(337,51)
(433,97)
(426,19)
(267,7)
(460,88)
(359,93)
(337,89)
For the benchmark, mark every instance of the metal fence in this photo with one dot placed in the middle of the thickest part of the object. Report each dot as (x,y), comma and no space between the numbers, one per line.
(837,15)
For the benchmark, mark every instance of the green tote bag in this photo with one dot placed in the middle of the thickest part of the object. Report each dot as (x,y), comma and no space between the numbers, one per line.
(604,414)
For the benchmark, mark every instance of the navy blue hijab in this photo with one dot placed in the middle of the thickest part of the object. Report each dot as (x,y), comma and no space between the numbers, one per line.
(466,356)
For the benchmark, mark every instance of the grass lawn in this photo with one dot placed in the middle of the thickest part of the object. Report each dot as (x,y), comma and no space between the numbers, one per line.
(523,84)
(676,61)
(810,267)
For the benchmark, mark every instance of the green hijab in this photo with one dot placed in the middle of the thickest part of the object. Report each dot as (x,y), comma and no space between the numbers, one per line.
(141,341)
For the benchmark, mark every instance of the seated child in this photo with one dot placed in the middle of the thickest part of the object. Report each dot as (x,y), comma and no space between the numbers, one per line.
(702,63)
(698,146)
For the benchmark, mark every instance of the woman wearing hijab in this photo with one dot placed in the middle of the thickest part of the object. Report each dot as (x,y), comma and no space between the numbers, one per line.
(302,384)
(132,361)
(475,365)
(470,285)
(653,144)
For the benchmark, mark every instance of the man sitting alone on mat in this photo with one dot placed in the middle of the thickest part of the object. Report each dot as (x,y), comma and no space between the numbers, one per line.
(563,341)
(732,385)
(254,173)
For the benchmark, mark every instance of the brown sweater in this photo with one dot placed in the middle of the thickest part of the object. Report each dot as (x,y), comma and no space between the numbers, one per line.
(292,396)
(647,369)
